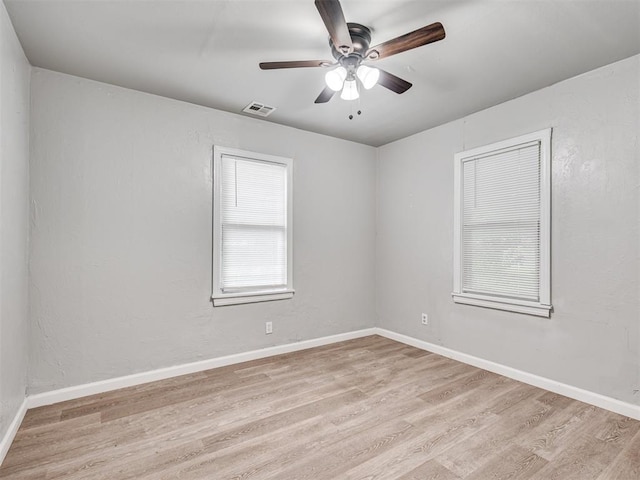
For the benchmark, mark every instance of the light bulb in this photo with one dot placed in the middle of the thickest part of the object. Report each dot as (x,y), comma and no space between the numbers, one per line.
(350,90)
(335,78)
(368,76)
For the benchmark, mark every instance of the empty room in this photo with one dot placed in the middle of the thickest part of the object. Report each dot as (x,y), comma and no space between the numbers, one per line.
(330,239)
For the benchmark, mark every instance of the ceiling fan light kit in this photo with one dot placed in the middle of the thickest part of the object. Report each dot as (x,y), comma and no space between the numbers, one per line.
(339,79)
(349,44)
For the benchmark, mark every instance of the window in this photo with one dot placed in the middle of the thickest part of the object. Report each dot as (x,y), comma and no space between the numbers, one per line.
(502,210)
(252,234)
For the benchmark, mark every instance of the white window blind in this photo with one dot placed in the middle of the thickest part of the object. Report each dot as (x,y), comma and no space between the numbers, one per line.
(502,225)
(254,225)
(252,237)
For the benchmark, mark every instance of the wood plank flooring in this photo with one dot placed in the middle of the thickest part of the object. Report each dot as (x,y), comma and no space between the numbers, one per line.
(369,408)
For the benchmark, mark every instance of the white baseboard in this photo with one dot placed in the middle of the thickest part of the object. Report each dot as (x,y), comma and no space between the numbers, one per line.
(586,396)
(7,439)
(70,393)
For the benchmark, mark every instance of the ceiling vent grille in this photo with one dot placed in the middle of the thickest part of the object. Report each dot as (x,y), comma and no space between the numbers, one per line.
(260,109)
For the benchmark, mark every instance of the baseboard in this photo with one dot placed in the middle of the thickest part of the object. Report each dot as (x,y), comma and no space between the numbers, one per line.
(586,396)
(71,393)
(10,434)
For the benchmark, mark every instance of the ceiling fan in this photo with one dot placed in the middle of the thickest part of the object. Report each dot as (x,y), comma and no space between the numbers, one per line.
(350,48)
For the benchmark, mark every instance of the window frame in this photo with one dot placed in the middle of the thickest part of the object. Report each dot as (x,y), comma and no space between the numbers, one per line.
(219,297)
(543,306)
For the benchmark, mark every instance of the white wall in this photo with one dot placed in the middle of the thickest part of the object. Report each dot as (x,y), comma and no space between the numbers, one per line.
(14,220)
(592,339)
(121,234)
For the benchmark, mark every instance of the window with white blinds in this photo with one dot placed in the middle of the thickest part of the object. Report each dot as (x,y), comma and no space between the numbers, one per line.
(252,231)
(502,225)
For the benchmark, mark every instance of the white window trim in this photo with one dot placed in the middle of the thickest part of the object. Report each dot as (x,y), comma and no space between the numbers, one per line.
(543,307)
(234,298)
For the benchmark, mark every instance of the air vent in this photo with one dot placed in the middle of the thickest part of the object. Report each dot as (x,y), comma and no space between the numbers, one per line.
(260,109)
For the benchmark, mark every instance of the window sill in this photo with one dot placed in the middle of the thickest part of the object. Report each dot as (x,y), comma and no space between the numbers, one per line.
(252,297)
(529,308)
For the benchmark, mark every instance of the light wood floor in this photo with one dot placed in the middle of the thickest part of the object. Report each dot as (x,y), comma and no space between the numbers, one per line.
(369,408)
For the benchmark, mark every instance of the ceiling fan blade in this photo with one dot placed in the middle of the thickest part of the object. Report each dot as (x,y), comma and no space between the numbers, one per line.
(333,18)
(393,83)
(417,38)
(296,64)
(326,95)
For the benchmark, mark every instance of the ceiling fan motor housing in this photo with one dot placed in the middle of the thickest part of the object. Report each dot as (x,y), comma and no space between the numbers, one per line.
(361,38)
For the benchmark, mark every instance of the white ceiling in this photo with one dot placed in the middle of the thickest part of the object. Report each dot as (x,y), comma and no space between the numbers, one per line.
(207,53)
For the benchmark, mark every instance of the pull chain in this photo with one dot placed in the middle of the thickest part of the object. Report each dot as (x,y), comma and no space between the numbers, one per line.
(359,112)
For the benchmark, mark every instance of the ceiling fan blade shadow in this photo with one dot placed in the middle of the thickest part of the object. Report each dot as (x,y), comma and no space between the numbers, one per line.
(333,18)
(417,38)
(296,64)
(326,95)
(393,83)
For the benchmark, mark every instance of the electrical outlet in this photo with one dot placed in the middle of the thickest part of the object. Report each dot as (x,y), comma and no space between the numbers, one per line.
(425,319)
(268,328)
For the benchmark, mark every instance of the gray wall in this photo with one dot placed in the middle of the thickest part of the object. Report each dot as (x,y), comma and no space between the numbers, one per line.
(14,220)
(592,339)
(121,234)
(121,219)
